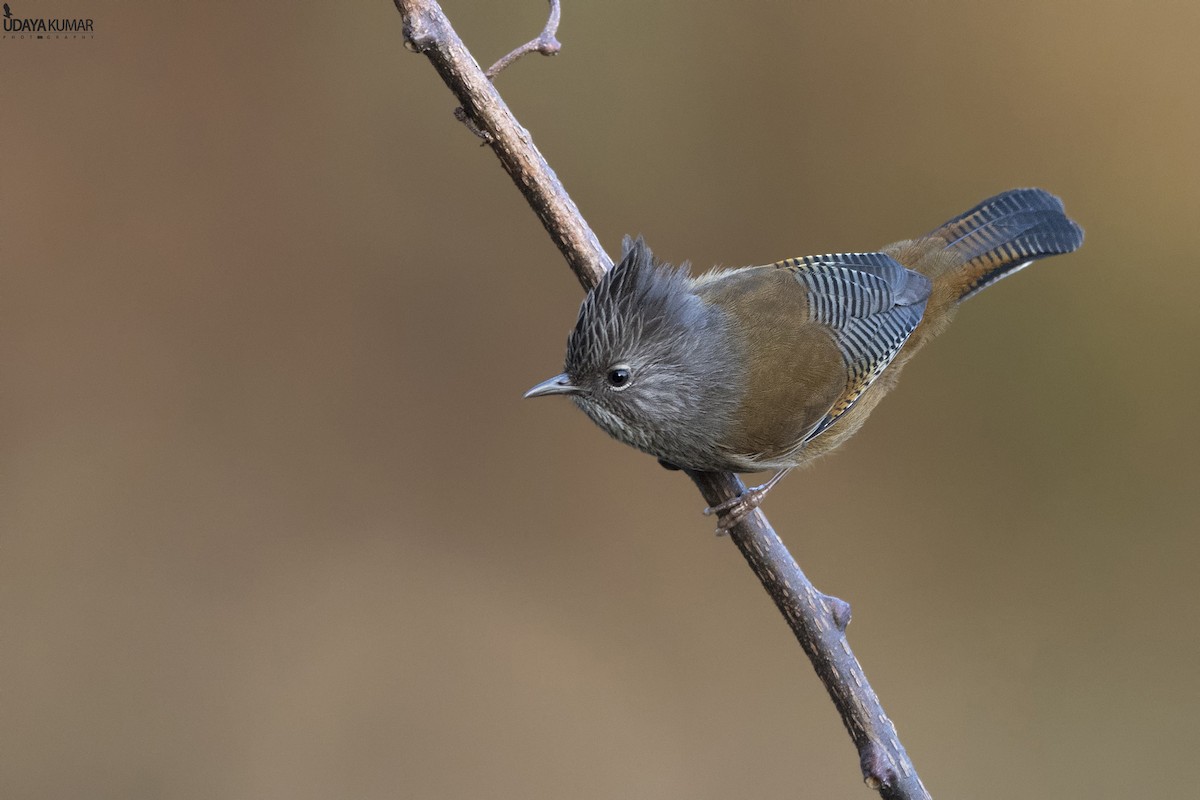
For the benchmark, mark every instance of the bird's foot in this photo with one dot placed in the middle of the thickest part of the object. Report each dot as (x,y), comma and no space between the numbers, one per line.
(736,509)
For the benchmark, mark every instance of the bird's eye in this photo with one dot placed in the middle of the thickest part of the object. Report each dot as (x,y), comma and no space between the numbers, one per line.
(619,377)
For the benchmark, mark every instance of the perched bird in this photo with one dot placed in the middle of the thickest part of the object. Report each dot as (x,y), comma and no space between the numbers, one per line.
(766,368)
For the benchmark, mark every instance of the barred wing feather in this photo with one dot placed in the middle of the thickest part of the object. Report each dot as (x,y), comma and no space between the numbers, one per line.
(872,303)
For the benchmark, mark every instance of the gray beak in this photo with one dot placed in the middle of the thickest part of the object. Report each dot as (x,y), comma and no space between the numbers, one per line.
(559,384)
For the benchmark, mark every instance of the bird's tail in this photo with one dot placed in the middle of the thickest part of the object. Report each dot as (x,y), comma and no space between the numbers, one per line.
(996,238)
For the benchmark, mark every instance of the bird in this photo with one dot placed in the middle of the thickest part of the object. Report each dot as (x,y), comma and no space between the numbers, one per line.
(769,367)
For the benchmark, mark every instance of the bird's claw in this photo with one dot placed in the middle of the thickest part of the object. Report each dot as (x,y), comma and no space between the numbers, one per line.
(735,509)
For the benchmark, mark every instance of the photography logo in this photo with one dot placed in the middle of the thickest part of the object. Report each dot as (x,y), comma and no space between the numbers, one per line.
(46,28)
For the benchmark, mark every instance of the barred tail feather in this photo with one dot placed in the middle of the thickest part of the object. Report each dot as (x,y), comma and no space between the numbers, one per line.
(1003,235)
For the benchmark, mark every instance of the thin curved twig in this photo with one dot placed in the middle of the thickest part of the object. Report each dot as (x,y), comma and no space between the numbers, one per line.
(818,620)
(427,31)
(545,43)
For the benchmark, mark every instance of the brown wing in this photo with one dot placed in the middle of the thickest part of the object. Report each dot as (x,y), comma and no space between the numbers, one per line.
(795,371)
(819,331)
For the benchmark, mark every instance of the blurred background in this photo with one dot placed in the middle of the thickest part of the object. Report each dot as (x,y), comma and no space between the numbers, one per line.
(276,522)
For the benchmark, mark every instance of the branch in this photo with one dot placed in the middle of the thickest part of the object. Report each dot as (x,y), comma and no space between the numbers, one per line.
(545,43)
(426,30)
(818,620)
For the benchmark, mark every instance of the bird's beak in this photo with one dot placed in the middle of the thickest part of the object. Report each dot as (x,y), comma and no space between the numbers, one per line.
(559,384)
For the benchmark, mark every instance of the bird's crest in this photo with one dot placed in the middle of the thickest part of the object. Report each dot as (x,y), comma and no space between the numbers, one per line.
(636,296)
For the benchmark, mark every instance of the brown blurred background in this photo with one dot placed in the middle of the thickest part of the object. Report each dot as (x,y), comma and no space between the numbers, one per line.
(276,522)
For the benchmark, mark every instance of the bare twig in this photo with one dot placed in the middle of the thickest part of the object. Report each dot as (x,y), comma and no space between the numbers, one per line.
(426,30)
(818,621)
(545,43)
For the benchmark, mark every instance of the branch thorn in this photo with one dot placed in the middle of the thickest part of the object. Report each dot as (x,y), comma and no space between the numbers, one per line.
(462,116)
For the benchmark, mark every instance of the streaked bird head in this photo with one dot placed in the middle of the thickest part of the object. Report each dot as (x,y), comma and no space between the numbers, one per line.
(641,359)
